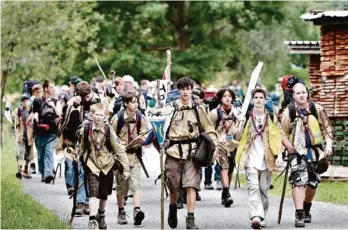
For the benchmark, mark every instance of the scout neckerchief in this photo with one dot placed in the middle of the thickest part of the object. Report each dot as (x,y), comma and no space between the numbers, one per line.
(97,147)
(260,128)
(131,132)
(304,117)
(225,123)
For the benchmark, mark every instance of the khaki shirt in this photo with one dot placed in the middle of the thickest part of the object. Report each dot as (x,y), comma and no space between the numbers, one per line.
(104,160)
(225,127)
(185,127)
(123,135)
(323,120)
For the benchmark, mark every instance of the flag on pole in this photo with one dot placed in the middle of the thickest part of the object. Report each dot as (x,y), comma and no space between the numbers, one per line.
(7,112)
(158,124)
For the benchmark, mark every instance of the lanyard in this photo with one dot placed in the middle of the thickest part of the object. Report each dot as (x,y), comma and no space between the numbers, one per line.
(258,132)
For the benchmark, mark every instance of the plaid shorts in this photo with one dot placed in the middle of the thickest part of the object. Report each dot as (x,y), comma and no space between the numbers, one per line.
(302,172)
(100,186)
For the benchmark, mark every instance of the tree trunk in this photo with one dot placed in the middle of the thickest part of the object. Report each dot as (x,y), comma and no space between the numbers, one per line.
(2,93)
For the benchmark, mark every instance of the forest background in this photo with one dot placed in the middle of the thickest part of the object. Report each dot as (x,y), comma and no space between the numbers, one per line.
(212,42)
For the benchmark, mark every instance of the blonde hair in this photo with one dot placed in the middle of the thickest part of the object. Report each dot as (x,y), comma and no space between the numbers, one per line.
(95,107)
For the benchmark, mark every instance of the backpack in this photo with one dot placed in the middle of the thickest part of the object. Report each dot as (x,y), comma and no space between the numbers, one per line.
(87,132)
(292,111)
(120,121)
(268,106)
(219,117)
(47,116)
(203,156)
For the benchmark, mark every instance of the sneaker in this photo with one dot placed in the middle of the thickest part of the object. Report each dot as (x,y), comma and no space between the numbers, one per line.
(121,218)
(190,223)
(79,210)
(263,224)
(172,216)
(48,179)
(42,179)
(307,213)
(101,221)
(299,219)
(256,223)
(86,209)
(218,185)
(138,216)
(208,187)
(93,224)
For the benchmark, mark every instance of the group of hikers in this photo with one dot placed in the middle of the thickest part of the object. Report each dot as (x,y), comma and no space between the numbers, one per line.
(100,128)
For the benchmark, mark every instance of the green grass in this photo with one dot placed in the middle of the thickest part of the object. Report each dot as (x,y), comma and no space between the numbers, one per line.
(328,191)
(20,210)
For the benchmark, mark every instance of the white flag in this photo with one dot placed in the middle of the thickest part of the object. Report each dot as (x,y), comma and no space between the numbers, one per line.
(8,109)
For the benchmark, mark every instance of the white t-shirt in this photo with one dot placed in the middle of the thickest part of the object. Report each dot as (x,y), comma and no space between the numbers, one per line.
(256,158)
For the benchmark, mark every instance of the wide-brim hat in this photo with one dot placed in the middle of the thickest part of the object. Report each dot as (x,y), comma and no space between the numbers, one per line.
(260,90)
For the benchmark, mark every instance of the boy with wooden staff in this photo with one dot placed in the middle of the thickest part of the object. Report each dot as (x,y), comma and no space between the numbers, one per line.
(305,125)
(101,155)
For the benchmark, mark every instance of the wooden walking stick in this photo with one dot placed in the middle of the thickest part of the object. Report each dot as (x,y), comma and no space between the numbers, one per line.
(283,192)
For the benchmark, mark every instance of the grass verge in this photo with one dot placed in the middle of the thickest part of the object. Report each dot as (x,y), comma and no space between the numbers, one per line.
(20,210)
(328,191)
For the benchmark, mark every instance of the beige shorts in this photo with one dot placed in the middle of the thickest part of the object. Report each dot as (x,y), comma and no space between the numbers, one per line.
(132,183)
(182,174)
(222,160)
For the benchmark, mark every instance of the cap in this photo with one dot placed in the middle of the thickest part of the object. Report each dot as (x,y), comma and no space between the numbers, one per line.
(75,80)
(25,96)
(128,78)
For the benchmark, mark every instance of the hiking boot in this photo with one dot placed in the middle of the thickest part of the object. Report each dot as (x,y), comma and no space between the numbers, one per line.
(190,223)
(172,216)
(256,223)
(121,218)
(48,179)
(32,168)
(86,209)
(19,175)
(138,216)
(307,214)
(79,210)
(208,187)
(92,224)
(226,199)
(299,218)
(101,221)
(218,185)
(198,197)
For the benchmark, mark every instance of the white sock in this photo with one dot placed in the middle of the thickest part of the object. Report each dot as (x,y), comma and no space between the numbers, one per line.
(93,206)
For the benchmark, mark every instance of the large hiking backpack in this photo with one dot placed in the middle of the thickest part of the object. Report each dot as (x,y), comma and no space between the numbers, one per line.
(203,155)
(292,111)
(47,116)
(219,117)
